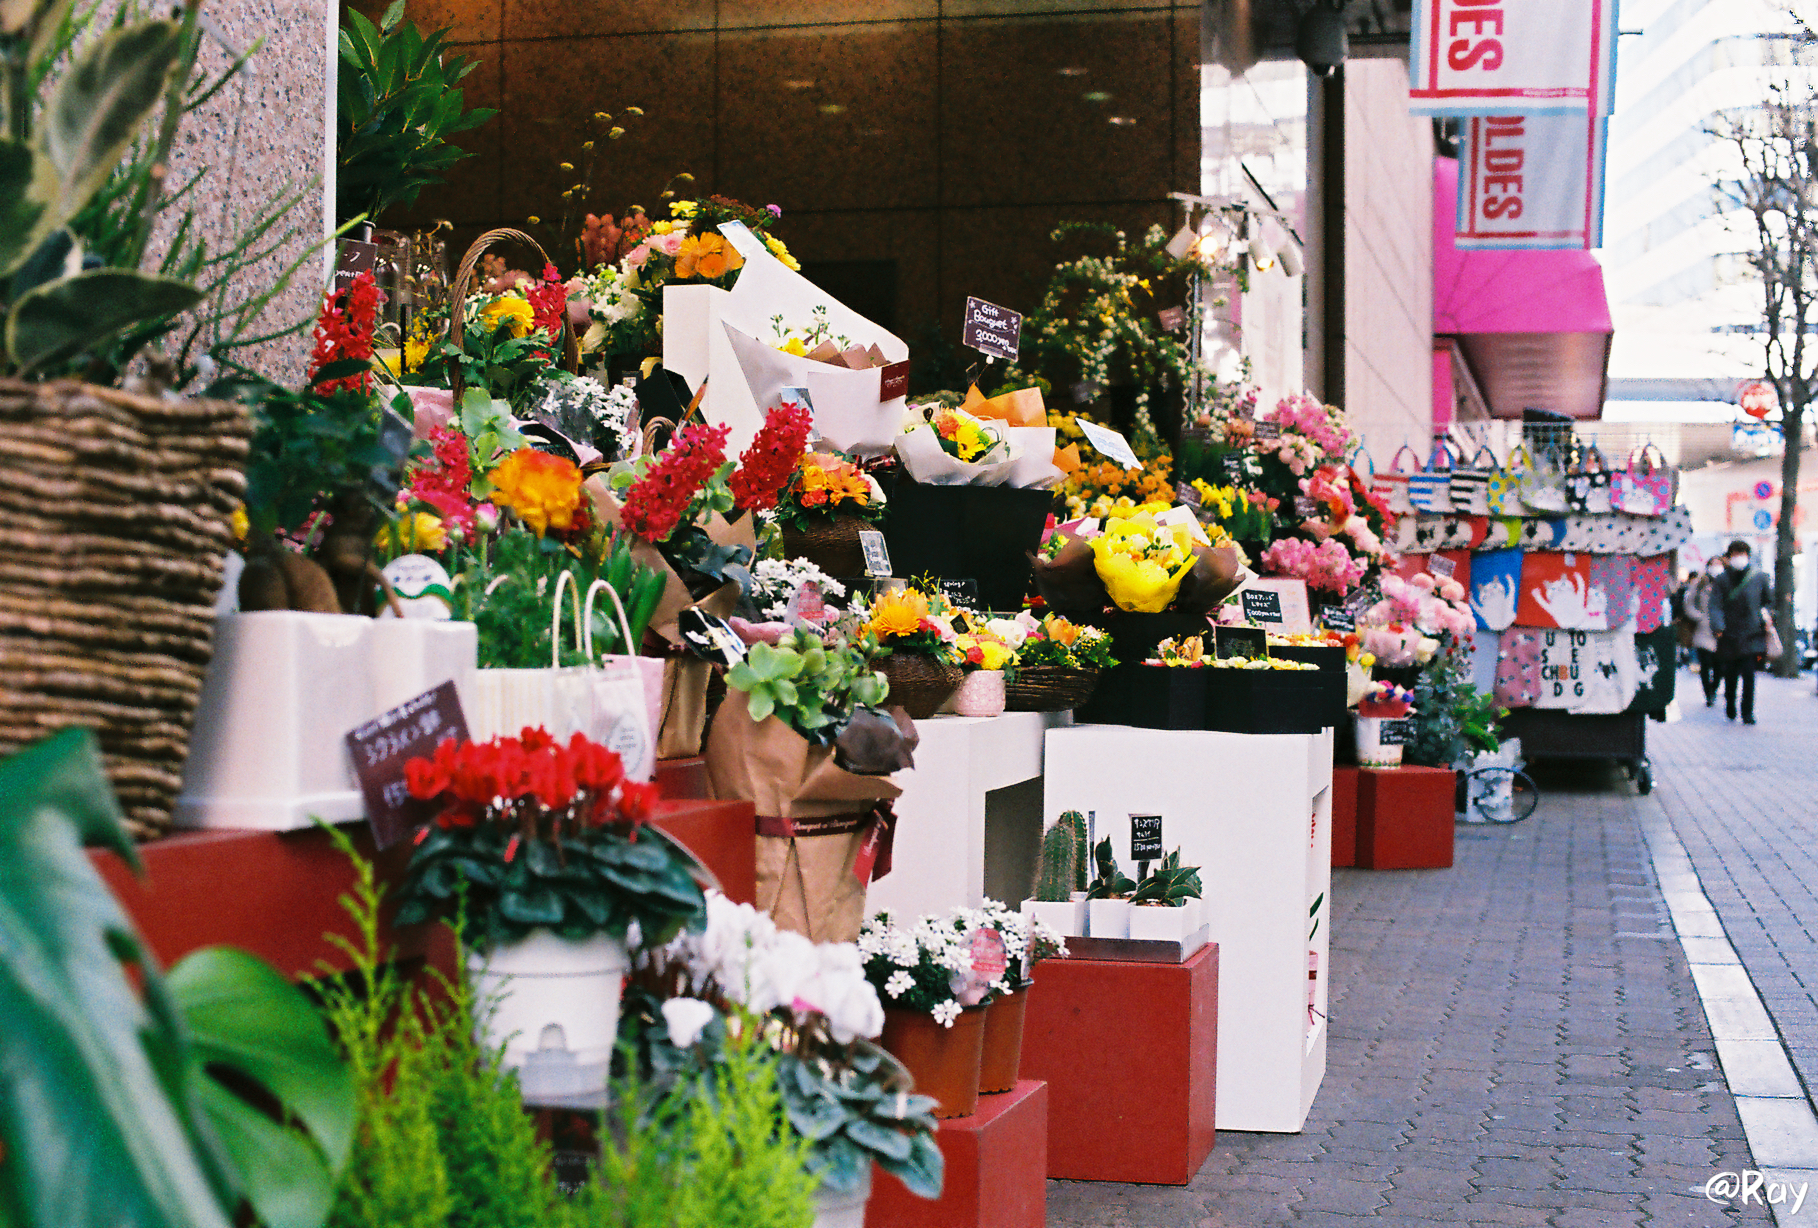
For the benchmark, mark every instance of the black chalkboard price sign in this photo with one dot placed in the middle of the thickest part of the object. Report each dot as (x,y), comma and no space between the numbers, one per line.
(993,330)
(1262,605)
(1397,732)
(1145,837)
(382,746)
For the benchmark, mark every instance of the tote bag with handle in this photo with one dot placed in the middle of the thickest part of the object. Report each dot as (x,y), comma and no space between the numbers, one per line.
(1644,492)
(1503,490)
(1470,486)
(1392,487)
(1587,484)
(1543,489)
(1430,490)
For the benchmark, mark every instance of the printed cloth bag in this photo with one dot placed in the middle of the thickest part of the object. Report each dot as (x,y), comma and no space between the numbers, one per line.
(1518,668)
(1495,588)
(1612,589)
(1587,672)
(1644,492)
(1499,533)
(1392,487)
(1543,489)
(1606,535)
(1666,533)
(1649,579)
(1502,492)
(1577,535)
(1486,647)
(1541,534)
(1587,484)
(1404,534)
(1630,532)
(1470,485)
(1556,592)
(1462,532)
(1430,490)
(1654,672)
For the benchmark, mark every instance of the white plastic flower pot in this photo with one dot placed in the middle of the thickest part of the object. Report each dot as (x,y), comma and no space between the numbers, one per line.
(1371,751)
(981,694)
(1161,923)
(1108,918)
(836,1210)
(1065,917)
(554,1008)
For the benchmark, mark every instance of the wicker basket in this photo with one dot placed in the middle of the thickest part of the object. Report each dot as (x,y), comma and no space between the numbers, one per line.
(462,285)
(114,528)
(830,544)
(919,683)
(1049,688)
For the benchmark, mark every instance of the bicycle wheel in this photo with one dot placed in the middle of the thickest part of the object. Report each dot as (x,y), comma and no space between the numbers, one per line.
(1500,795)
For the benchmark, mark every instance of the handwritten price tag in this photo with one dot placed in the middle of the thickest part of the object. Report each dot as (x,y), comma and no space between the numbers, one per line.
(382,746)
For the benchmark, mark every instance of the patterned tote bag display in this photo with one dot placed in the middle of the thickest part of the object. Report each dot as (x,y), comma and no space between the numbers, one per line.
(1649,579)
(1495,588)
(1587,484)
(1556,592)
(1644,492)
(1392,487)
(1518,668)
(1502,492)
(1543,489)
(1470,486)
(1430,490)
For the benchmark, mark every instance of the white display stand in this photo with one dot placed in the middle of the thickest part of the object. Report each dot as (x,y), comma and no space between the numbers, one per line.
(1254,812)
(939,856)
(283,689)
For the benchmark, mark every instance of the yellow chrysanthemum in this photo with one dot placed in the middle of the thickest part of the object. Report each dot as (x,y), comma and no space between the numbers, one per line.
(543,490)
(794,346)
(414,353)
(414,533)
(898,613)
(782,253)
(239,523)
(512,311)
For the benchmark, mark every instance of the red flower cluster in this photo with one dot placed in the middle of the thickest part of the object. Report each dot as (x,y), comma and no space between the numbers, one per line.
(768,464)
(344,330)
(549,304)
(443,481)
(529,776)
(655,503)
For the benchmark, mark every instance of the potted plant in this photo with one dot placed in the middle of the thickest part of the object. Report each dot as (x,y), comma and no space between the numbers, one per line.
(934,1007)
(985,656)
(1165,905)
(1057,666)
(827,502)
(1108,896)
(547,849)
(915,636)
(1385,704)
(1027,941)
(1059,899)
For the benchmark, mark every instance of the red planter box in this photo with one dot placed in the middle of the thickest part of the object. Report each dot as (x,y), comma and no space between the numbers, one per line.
(1405,818)
(997,1170)
(1130,1055)
(1344,816)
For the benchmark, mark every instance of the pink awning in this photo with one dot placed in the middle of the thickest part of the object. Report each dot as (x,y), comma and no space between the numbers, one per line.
(1534,326)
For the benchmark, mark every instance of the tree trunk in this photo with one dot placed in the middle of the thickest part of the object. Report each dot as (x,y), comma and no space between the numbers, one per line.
(1793,426)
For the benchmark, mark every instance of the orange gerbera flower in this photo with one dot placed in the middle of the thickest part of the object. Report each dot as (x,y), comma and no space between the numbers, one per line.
(543,490)
(706,256)
(898,613)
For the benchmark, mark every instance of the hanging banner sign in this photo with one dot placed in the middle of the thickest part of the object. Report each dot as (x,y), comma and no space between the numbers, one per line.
(1487,57)
(1531,181)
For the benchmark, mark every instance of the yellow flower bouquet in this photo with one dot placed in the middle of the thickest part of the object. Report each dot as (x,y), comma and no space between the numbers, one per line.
(1143,563)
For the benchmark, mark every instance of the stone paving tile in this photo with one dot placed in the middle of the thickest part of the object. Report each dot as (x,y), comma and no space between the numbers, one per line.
(1514,1041)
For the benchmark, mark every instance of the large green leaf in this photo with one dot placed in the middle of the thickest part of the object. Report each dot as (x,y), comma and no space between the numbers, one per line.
(243,1014)
(59,320)
(99,1121)
(28,203)
(100,101)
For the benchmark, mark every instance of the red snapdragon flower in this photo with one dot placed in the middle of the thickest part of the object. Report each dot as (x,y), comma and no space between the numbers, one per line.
(444,480)
(767,465)
(549,304)
(344,329)
(656,502)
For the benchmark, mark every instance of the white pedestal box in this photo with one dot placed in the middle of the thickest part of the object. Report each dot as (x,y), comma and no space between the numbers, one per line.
(1254,813)
(283,690)
(941,849)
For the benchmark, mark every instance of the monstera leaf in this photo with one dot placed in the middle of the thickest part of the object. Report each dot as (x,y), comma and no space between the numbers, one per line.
(111,1113)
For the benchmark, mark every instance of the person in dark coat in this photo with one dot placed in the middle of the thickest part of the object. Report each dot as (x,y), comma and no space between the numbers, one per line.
(1740,598)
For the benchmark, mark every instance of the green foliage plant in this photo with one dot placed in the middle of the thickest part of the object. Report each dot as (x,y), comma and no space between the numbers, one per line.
(506,586)
(1170,884)
(1082,855)
(116,1109)
(306,446)
(1110,883)
(811,685)
(1055,870)
(397,103)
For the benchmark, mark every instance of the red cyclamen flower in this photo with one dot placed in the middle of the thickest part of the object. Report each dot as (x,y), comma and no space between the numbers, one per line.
(656,501)
(771,459)
(344,330)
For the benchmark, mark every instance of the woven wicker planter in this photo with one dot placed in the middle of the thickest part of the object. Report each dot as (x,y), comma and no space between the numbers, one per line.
(919,683)
(1049,688)
(114,528)
(831,545)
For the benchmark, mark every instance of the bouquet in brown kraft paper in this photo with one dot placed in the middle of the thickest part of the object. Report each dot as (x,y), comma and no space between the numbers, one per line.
(686,509)
(800,737)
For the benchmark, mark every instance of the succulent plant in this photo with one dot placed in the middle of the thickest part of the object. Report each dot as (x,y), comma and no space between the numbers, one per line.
(1082,855)
(1170,883)
(811,686)
(1112,883)
(1059,865)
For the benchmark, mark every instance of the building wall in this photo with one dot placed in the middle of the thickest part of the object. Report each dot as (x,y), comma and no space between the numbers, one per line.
(1388,260)
(932,142)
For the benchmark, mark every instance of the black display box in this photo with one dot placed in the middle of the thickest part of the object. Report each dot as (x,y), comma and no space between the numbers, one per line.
(1133,641)
(982,533)
(1331,662)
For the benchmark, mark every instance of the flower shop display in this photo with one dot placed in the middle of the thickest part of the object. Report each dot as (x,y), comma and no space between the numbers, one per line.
(1027,941)
(844,1095)
(1384,702)
(1328,651)
(986,652)
(1165,905)
(788,739)
(984,534)
(1057,666)
(822,509)
(1108,895)
(1058,897)
(545,850)
(915,633)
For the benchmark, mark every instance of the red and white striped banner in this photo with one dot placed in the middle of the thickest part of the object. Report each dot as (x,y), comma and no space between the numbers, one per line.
(1531,57)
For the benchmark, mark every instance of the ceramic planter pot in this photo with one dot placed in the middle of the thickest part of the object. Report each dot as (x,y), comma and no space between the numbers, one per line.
(833,1209)
(560,997)
(1108,918)
(981,694)
(1066,917)
(1372,751)
(1003,1055)
(944,1061)
(1161,923)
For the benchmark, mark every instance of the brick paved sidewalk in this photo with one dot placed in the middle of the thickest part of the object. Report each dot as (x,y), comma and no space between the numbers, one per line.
(1516,1040)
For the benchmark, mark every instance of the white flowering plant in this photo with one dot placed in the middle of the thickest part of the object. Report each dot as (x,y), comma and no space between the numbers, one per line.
(1027,941)
(814,1006)
(775,582)
(926,966)
(584,409)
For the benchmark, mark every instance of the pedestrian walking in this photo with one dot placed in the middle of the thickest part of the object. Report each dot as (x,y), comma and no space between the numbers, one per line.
(1739,597)
(1700,636)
